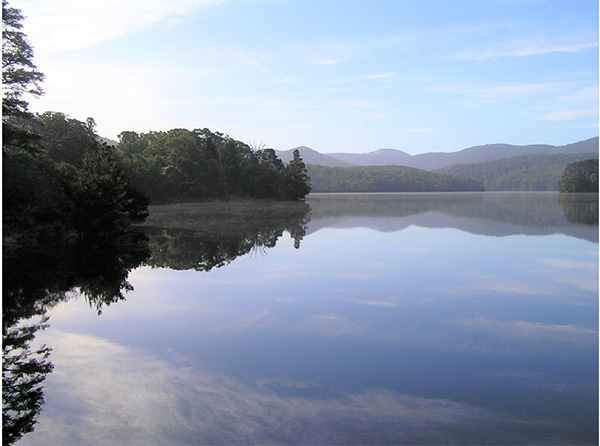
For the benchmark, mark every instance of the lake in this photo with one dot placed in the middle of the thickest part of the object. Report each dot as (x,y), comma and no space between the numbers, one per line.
(457,318)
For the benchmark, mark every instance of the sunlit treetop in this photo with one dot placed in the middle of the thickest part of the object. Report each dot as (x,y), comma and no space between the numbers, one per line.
(19,73)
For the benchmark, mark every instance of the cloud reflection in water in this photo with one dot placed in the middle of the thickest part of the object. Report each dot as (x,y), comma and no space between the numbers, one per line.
(120,395)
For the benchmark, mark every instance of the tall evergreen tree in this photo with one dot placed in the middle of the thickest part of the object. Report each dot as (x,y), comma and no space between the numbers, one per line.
(299,184)
(19,76)
(19,72)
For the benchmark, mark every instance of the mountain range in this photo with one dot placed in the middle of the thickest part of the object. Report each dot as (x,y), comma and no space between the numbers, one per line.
(434,160)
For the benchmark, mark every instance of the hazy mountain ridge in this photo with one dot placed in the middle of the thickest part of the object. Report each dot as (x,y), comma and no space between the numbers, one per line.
(310,156)
(381,157)
(435,160)
(526,172)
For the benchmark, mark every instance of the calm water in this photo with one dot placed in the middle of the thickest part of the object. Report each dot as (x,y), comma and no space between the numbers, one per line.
(358,319)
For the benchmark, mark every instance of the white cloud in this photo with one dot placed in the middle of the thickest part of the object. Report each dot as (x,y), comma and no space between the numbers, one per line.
(568,114)
(379,76)
(415,130)
(585,95)
(375,115)
(352,104)
(368,77)
(526,48)
(244,59)
(354,79)
(274,114)
(61,25)
(488,94)
(504,92)
(227,101)
(330,53)
(327,62)
(284,80)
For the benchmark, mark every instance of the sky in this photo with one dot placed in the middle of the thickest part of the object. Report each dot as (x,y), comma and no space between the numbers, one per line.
(334,75)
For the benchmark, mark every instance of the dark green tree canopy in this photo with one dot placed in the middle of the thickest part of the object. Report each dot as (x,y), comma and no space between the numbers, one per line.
(187,165)
(386,179)
(580,176)
(65,139)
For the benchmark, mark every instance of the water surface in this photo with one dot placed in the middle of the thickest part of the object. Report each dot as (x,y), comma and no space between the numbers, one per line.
(350,319)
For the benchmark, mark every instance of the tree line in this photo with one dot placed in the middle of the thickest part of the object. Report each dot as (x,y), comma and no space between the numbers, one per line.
(386,179)
(540,172)
(198,164)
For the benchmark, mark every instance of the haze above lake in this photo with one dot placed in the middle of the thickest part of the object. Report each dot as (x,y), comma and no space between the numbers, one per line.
(465,318)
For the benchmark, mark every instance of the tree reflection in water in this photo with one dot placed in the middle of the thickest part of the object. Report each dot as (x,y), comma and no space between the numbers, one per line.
(580,208)
(207,236)
(42,270)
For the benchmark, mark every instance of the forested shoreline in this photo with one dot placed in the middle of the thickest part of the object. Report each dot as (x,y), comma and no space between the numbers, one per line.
(540,172)
(61,181)
(386,179)
(192,165)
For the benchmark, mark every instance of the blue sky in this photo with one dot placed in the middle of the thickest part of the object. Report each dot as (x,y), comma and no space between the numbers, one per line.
(334,75)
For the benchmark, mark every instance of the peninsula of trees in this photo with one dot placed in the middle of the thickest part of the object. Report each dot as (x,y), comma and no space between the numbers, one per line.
(580,176)
(199,164)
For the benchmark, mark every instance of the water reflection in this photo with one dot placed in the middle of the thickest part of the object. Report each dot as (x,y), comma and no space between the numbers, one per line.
(38,275)
(490,213)
(207,407)
(203,236)
(580,208)
(409,336)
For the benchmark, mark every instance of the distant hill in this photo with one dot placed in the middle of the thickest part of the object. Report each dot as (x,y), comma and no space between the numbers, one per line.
(310,156)
(492,152)
(108,141)
(528,172)
(432,161)
(381,157)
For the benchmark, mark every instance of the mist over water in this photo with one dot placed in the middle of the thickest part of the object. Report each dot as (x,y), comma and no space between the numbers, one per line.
(465,318)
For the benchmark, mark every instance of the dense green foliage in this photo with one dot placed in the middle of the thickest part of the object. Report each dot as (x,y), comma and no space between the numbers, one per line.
(386,179)
(181,165)
(70,186)
(528,172)
(580,176)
